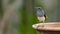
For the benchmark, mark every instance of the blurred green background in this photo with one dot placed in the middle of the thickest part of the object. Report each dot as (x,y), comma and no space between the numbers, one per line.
(26,13)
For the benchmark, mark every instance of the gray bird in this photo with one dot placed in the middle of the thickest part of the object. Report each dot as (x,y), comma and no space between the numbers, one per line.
(41,15)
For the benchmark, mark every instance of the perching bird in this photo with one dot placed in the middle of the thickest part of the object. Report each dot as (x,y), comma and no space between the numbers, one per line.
(41,15)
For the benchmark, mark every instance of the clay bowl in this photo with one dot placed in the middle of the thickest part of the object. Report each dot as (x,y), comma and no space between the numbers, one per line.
(54,26)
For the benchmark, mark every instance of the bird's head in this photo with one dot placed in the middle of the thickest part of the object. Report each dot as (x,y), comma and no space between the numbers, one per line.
(39,8)
(39,12)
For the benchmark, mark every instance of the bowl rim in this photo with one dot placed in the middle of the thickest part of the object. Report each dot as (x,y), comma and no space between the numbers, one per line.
(48,28)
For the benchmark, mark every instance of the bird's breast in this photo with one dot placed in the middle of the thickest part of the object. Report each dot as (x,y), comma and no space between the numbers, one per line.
(41,18)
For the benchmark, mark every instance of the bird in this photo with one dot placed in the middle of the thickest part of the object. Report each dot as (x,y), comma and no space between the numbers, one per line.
(41,15)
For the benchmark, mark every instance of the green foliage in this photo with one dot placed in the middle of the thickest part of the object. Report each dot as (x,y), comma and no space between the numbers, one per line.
(1,10)
(39,5)
(27,20)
